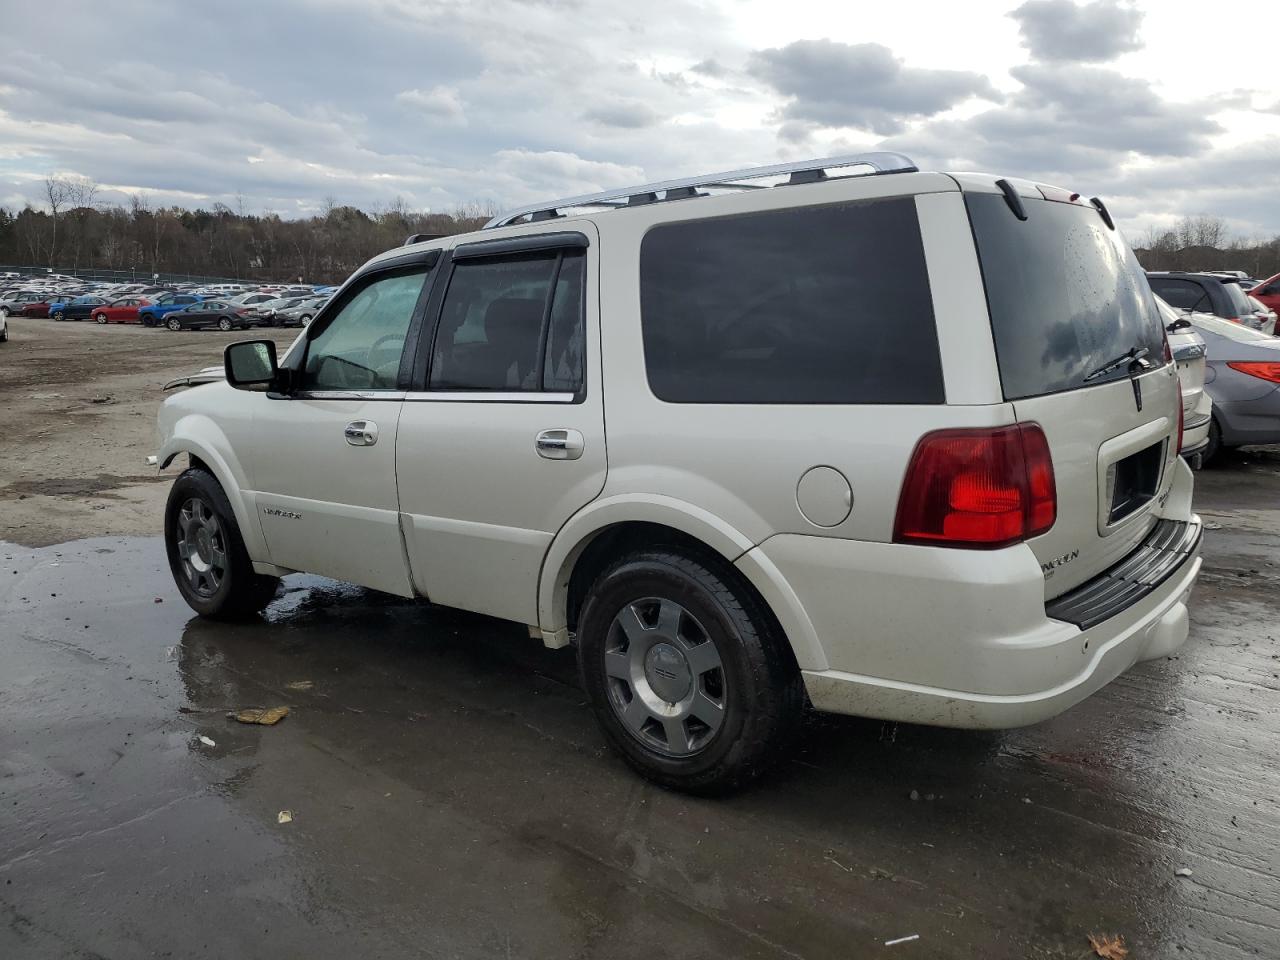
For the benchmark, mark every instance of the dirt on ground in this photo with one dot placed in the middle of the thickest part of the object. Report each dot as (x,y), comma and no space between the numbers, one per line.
(79,405)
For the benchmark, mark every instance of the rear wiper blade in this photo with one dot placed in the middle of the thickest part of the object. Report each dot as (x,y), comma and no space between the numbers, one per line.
(1134,355)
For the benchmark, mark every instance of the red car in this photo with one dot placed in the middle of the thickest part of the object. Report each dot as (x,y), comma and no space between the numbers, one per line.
(120,311)
(40,308)
(1268,291)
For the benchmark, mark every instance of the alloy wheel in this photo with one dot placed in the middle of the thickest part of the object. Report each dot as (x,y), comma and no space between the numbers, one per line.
(666,680)
(101,318)
(202,547)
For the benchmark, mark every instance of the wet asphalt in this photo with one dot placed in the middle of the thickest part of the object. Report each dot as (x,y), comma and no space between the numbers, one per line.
(451,796)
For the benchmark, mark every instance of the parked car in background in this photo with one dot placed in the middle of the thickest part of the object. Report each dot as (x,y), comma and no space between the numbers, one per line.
(165,304)
(81,308)
(1188,349)
(266,312)
(300,314)
(1243,378)
(1267,292)
(1262,311)
(124,310)
(17,301)
(250,299)
(794,502)
(37,308)
(1207,293)
(211,313)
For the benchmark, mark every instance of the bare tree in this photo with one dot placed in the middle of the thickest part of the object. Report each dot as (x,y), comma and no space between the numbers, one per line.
(56,191)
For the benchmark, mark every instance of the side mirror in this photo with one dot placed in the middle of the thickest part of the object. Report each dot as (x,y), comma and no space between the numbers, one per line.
(251,365)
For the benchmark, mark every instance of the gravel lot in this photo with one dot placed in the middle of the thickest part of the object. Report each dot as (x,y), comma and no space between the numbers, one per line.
(450,795)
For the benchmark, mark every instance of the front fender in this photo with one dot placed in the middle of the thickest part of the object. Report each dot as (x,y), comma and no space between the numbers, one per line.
(199,436)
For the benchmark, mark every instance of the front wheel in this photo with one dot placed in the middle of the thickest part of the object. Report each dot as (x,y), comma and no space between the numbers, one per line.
(59,315)
(304,320)
(224,324)
(687,673)
(101,318)
(206,553)
(174,324)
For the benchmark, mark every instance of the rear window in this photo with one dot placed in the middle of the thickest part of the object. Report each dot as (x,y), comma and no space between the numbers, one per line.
(822,305)
(1183,294)
(1066,295)
(1239,299)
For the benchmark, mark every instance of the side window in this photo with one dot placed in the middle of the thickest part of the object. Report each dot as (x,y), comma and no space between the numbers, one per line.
(513,324)
(360,348)
(810,305)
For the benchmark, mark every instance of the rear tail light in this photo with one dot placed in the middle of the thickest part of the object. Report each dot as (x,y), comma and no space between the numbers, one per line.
(978,488)
(1168,350)
(1263,370)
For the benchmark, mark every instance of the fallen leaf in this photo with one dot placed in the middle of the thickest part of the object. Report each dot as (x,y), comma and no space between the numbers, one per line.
(1109,948)
(266,718)
(284,816)
(207,742)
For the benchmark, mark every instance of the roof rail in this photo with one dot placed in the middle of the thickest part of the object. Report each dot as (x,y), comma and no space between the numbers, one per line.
(802,171)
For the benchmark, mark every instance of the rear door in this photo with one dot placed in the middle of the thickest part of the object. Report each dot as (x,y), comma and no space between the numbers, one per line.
(1068,301)
(502,438)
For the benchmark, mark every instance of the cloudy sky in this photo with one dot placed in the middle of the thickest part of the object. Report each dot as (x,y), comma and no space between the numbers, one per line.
(1153,104)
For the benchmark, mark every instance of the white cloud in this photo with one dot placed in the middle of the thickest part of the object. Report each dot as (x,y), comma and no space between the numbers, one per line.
(440,103)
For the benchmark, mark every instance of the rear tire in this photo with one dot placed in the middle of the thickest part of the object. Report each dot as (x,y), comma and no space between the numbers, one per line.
(206,553)
(224,324)
(59,316)
(687,673)
(1215,443)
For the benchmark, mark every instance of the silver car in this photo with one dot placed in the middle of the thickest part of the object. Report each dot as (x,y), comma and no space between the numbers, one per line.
(1243,378)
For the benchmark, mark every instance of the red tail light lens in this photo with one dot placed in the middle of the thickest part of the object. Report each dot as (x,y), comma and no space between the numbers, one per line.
(1261,369)
(981,488)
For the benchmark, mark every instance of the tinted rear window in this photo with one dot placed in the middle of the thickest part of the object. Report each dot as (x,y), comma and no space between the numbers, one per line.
(1066,295)
(807,305)
(1183,294)
(1239,299)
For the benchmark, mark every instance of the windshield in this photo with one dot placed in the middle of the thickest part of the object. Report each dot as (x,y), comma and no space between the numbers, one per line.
(1065,293)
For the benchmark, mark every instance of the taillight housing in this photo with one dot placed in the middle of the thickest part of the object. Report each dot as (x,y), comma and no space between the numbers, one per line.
(1262,369)
(980,488)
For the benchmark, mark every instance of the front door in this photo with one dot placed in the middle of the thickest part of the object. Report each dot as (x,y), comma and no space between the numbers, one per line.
(324,458)
(502,439)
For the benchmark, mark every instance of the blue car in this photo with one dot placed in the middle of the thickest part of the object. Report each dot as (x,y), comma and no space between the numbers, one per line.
(166,303)
(78,309)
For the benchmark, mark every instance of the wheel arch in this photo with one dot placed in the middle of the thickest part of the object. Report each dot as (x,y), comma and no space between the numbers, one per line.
(200,439)
(606,530)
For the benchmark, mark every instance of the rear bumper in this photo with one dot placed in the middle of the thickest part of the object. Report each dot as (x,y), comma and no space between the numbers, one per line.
(954,637)
(1152,628)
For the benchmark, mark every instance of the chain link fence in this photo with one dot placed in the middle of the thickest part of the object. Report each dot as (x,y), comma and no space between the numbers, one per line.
(116,276)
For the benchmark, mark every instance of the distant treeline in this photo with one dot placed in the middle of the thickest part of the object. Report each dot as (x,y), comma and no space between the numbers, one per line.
(1204,243)
(77,232)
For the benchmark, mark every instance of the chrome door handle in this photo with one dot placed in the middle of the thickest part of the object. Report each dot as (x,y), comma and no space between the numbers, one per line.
(560,444)
(361,433)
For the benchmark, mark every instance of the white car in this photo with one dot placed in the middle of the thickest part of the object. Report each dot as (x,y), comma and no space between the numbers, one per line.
(904,445)
(1189,354)
(4,326)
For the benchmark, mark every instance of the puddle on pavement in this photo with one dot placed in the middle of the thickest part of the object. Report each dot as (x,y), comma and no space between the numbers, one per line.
(448,787)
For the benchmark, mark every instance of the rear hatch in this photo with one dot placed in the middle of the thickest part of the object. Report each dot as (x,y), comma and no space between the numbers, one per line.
(1081,352)
(1188,353)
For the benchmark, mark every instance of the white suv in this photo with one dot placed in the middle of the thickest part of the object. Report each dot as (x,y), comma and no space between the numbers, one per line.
(902,444)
